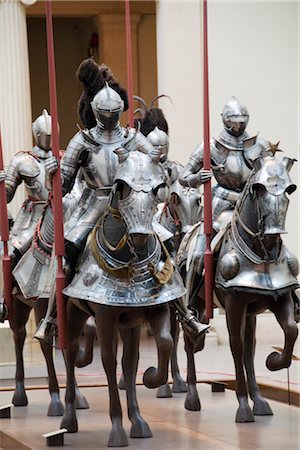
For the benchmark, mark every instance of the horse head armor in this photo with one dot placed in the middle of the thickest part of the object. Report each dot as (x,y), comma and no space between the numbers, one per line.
(145,182)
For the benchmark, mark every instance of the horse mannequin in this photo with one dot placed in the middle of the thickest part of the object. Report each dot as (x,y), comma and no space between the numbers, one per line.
(125,277)
(256,272)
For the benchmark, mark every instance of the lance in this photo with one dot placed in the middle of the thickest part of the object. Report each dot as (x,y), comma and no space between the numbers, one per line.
(129,62)
(4,230)
(208,255)
(59,243)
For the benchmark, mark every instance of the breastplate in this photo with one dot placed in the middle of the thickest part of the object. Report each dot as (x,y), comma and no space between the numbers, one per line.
(234,172)
(100,169)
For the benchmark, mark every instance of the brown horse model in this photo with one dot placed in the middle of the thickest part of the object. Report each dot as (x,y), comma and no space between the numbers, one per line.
(124,278)
(254,272)
(32,291)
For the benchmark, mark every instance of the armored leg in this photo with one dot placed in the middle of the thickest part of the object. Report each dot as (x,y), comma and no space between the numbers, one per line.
(189,321)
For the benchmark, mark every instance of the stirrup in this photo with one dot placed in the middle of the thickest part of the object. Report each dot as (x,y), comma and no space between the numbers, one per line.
(46,331)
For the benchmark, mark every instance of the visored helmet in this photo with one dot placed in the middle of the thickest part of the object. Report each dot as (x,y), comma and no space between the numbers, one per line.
(41,129)
(107,106)
(235,117)
(159,139)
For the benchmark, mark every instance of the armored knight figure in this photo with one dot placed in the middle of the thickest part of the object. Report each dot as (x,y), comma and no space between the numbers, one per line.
(232,154)
(93,151)
(167,217)
(28,167)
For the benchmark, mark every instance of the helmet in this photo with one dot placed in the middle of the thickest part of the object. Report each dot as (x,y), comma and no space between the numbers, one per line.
(235,117)
(41,129)
(159,139)
(107,106)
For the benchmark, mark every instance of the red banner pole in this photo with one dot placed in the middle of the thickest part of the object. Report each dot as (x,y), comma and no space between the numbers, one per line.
(129,62)
(4,230)
(208,255)
(59,242)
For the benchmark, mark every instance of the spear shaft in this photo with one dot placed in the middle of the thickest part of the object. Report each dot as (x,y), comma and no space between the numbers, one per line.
(129,62)
(208,255)
(59,243)
(4,230)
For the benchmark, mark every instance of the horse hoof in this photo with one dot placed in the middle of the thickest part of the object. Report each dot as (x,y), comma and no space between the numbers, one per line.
(244,415)
(192,403)
(262,408)
(83,360)
(164,391)
(20,399)
(55,409)
(275,362)
(69,424)
(140,429)
(150,378)
(121,384)
(117,438)
(80,401)
(179,386)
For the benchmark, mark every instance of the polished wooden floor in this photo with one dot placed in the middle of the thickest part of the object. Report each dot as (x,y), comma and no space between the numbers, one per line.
(173,427)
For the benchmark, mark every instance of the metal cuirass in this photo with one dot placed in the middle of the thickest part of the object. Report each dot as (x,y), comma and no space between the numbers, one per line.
(93,151)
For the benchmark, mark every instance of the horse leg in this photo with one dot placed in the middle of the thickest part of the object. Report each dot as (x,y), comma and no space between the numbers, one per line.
(284,313)
(179,384)
(76,321)
(17,325)
(159,320)
(236,321)
(131,341)
(192,400)
(260,407)
(85,355)
(56,407)
(107,332)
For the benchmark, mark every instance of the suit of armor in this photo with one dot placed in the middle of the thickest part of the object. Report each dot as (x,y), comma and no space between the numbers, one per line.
(232,154)
(93,151)
(29,168)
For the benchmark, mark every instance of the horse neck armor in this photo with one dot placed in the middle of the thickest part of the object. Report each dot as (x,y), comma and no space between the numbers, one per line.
(187,209)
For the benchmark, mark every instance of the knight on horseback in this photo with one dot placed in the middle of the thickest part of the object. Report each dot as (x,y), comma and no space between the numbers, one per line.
(232,154)
(93,151)
(28,167)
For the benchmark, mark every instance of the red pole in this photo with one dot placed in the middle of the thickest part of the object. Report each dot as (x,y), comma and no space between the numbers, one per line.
(4,230)
(59,243)
(208,255)
(129,62)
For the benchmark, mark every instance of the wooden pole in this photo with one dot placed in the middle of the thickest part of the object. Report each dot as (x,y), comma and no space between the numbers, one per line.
(208,255)
(59,243)
(4,230)
(129,62)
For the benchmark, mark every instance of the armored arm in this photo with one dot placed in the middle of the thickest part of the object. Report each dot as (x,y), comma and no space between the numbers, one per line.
(191,173)
(12,179)
(74,157)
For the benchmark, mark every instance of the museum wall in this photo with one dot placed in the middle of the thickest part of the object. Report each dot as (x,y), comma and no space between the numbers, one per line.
(253,54)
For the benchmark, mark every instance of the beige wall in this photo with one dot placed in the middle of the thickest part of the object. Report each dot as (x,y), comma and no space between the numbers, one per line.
(253,54)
